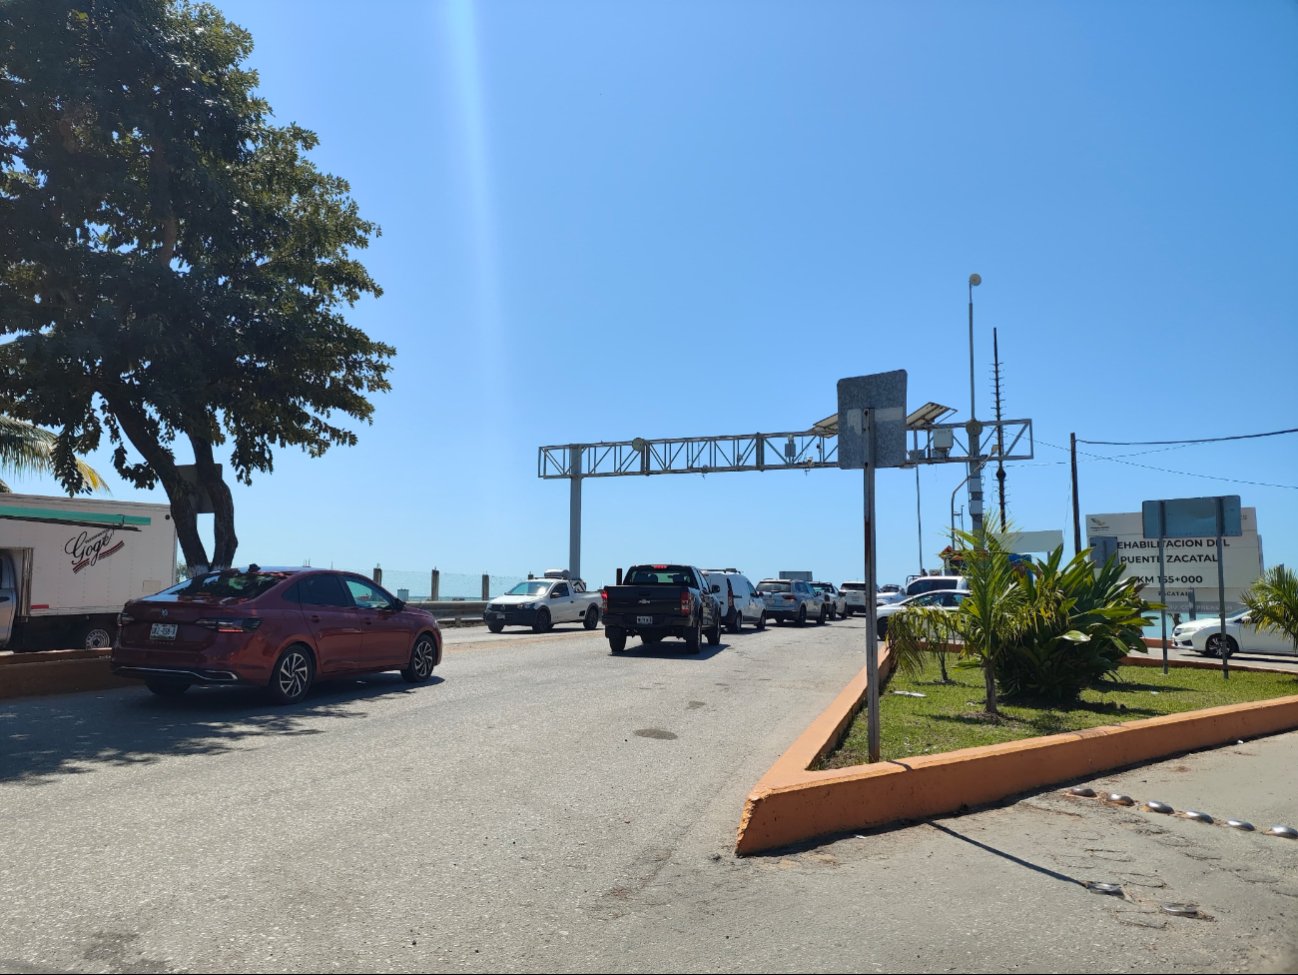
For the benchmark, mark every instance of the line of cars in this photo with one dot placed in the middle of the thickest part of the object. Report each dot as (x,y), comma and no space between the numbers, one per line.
(658,600)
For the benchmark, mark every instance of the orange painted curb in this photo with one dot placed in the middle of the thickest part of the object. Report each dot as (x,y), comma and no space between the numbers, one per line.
(793,805)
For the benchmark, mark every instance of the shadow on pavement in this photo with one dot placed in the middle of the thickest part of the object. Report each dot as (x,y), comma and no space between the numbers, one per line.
(44,738)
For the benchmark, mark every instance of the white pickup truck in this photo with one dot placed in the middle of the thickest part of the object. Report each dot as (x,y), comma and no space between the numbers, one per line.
(540,603)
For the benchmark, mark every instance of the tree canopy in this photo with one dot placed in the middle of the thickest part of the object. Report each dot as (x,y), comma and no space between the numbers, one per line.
(173,267)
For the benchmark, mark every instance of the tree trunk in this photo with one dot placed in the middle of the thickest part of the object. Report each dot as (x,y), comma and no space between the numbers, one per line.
(224,542)
(989,679)
(135,424)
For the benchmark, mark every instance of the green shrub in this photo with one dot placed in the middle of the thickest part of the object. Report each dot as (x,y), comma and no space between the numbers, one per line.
(1082,622)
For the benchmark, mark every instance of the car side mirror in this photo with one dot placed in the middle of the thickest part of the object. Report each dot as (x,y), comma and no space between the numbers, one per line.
(398,605)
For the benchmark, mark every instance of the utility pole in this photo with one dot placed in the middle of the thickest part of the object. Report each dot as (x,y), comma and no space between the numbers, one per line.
(1077,518)
(974,429)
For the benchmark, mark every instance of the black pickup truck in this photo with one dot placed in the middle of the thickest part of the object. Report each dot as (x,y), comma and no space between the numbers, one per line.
(655,601)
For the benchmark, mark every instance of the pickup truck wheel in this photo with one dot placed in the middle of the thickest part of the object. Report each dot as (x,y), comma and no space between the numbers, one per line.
(802,615)
(495,627)
(542,623)
(761,622)
(592,618)
(695,636)
(824,613)
(714,634)
(847,613)
(616,638)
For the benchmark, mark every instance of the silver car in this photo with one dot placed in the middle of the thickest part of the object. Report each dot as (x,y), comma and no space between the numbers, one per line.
(792,599)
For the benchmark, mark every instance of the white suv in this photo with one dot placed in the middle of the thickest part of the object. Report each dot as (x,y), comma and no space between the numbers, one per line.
(836,601)
(854,595)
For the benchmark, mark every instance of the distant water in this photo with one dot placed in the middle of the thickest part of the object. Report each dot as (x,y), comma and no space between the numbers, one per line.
(453,585)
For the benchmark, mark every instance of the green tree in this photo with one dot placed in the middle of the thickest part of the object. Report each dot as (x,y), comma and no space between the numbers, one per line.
(173,268)
(27,449)
(1272,602)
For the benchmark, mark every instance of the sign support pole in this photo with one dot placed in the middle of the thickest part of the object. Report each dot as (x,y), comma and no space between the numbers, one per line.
(871,613)
(1221,586)
(1162,575)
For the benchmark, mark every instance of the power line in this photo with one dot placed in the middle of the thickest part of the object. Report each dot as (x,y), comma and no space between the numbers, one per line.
(1167,470)
(1162,443)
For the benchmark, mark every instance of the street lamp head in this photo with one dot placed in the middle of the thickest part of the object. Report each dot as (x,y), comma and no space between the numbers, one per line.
(975,280)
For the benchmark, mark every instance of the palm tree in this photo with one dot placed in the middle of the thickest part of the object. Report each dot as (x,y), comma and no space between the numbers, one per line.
(29,449)
(1272,602)
(992,615)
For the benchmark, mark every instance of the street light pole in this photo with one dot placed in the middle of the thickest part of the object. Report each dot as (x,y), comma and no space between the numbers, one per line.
(953,494)
(974,427)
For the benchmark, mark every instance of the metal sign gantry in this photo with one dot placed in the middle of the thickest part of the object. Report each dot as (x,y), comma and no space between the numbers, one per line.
(802,450)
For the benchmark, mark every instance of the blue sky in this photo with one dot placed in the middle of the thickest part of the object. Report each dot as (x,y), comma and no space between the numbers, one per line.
(610,220)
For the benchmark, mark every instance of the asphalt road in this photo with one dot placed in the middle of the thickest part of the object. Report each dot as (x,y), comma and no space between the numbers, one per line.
(546,806)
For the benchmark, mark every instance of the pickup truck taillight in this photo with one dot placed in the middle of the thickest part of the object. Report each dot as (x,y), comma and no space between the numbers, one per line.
(603,601)
(687,603)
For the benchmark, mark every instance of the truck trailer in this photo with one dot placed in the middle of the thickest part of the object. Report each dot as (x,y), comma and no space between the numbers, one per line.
(69,565)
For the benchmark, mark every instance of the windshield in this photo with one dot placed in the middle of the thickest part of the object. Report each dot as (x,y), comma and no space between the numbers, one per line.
(659,575)
(775,587)
(225,585)
(534,587)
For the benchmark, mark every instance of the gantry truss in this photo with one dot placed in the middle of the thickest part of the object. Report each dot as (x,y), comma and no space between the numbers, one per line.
(943,443)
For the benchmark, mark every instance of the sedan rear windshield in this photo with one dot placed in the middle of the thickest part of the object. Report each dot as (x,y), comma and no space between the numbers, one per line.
(775,587)
(224,585)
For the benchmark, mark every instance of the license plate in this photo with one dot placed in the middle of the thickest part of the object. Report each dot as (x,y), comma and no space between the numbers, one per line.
(499,616)
(644,620)
(162,631)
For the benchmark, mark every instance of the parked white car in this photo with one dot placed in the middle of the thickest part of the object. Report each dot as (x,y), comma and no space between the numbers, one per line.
(540,603)
(948,599)
(792,599)
(1204,636)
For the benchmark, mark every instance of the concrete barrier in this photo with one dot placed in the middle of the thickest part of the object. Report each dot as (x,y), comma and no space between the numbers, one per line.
(57,672)
(791,804)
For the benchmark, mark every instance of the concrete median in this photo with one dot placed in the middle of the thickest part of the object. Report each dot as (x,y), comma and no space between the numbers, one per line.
(792,804)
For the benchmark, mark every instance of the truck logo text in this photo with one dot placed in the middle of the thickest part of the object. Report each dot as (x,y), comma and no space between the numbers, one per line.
(88,548)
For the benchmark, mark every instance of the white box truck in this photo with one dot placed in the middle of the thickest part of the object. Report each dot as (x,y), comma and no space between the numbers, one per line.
(69,565)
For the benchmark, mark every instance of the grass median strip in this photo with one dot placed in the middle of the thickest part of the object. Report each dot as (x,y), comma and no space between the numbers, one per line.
(950,716)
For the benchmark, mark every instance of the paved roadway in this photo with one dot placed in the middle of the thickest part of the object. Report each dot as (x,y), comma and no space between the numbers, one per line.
(545,806)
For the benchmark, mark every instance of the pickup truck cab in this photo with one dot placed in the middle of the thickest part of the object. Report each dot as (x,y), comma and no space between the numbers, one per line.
(540,603)
(659,600)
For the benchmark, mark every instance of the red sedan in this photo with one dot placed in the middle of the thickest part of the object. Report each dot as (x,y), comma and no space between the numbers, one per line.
(278,628)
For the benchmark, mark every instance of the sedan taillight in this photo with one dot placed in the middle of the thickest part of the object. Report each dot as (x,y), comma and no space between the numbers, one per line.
(123,619)
(229,625)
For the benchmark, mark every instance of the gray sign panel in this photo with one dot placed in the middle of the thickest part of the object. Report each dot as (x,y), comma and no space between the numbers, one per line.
(884,396)
(1192,517)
